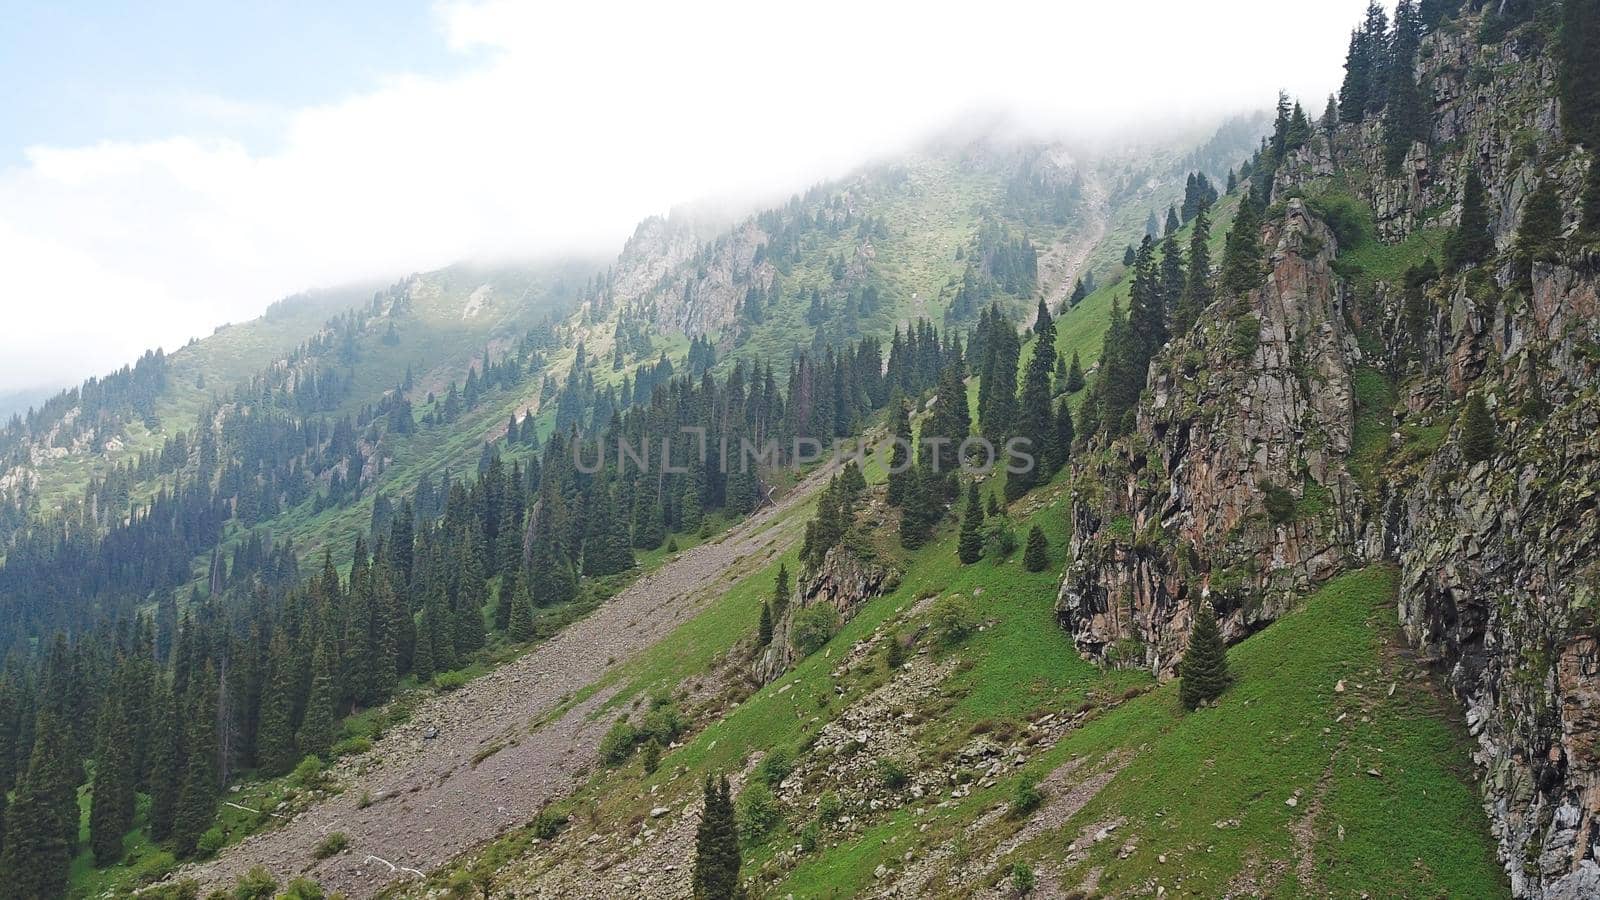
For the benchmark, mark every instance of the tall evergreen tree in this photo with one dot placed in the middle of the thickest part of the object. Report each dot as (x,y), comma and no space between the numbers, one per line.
(1471,242)
(606,549)
(166,763)
(1195,295)
(1478,438)
(1539,232)
(1203,671)
(275,751)
(1405,119)
(197,798)
(111,806)
(1074,374)
(519,626)
(716,846)
(970,547)
(900,455)
(317,728)
(37,851)
(1036,557)
(1579,76)
(1242,255)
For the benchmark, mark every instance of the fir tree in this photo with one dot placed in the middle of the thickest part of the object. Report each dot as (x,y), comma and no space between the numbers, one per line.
(1074,374)
(1128,256)
(1405,120)
(519,626)
(1036,557)
(37,850)
(1478,437)
(1066,433)
(970,548)
(780,590)
(1203,672)
(1471,242)
(605,542)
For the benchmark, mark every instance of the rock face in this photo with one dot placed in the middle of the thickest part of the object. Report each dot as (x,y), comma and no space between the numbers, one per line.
(1256,403)
(1500,559)
(844,582)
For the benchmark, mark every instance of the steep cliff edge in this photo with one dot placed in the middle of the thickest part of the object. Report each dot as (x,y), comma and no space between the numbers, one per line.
(1313,423)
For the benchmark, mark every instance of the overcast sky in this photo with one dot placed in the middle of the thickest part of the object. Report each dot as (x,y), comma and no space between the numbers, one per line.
(167,167)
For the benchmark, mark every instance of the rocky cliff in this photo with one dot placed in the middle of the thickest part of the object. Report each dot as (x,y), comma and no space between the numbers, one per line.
(1238,480)
(843,581)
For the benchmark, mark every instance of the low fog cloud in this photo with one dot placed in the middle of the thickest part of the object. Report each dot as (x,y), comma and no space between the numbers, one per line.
(572,123)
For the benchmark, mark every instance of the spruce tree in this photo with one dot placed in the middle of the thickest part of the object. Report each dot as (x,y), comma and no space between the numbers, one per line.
(900,455)
(519,627)
(1036,557)
(275,752)
(1195,294)
(1065,431)
(780,590)
(197,798)
(970,548)
(1478,438)
(1242,255)
(1203,671)
(716,845)
(1074,374)
(764,627)
(1579,75)
(1471,242)
(166,763)
(317,727)
(37,851)
(1405,120)
(111,805)
(606,549)
(1539,232)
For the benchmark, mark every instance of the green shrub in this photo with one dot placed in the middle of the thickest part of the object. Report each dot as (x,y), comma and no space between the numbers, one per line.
(547,824)
(1345,216)
(651,756)
(449,681)
(256,884)
(210,842)
(1022,880)
(892,774)
(662,722)
(303,889)
(618,743)
(1279,502)
(1246,336)
(1025,799)
(758,812)
(813,627)
(310,774)
(775,767)
(810,836)
(829,808)
(351,746)
(953,620)
(336,842)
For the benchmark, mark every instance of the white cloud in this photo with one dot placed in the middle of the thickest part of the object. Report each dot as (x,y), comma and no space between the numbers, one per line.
(579,120)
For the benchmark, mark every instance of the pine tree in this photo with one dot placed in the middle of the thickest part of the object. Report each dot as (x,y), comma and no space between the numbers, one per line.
(764,627)
(1471,242)
(37,850)
(716,845)
(1066,433)
(519,626)
(111,806)
(1203,672)
(1478,438)
(780,590)
(1075,374)
(317,727)
(970,548)
(166,763)
(197,798)
(1036,557)
(606,549)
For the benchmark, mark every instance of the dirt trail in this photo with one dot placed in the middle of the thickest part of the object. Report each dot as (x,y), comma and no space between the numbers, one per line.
(484,771)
